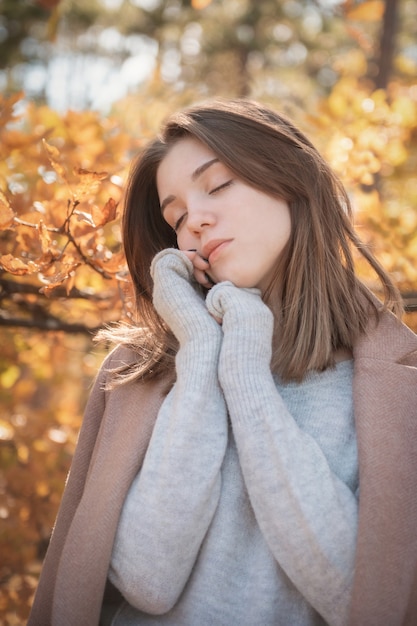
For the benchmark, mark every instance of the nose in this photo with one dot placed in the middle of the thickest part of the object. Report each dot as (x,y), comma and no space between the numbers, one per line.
(199,216)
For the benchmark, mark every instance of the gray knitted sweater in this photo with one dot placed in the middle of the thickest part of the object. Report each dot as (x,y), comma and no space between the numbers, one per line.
(245,509)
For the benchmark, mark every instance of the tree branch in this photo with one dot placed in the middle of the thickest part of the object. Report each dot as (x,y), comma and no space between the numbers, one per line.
(410,301)
(49,323)
(10,287)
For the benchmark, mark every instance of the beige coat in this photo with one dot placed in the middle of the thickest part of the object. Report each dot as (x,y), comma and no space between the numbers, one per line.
(113,440)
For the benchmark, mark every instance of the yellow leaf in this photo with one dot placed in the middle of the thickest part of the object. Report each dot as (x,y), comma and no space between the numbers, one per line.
(10,376)
(405,65)
(40,445)
(23,453)
(370,11)
(53,155)
(52,151)
(407,109)
(367,179)
(6,431)
(42,488)
(396,152)
(337,104)
(200,4)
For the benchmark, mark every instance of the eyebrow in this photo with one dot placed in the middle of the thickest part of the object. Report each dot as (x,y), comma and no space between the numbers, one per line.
(197,172)
(200,170)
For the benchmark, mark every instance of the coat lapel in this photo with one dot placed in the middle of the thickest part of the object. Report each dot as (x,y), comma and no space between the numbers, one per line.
(125,431)
(385,404)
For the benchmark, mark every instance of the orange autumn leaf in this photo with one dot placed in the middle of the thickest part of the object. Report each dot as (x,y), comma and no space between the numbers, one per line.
(16,266)
(48,289)
(91,176)
(7,214)
(88,182)
(57,277)
(106,214)
(44,237)
(112,265)
(83,227)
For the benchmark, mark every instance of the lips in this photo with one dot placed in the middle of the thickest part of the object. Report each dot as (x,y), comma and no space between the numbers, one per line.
(212,246)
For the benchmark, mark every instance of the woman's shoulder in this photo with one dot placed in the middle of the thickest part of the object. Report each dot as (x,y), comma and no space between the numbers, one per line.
(386,337)
(137,353)
(127,365)
(120,355)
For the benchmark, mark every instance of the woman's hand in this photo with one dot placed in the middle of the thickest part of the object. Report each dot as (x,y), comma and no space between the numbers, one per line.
(247,325)
(201,268)
(235,306)
(177,300)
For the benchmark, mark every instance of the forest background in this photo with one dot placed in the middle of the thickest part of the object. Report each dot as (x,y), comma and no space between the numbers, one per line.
(84,84)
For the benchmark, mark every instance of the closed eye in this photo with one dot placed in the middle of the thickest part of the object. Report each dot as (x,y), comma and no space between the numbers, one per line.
(179,222)
(220,187)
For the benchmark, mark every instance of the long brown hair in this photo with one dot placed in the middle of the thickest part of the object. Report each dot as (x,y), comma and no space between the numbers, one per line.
(319,304)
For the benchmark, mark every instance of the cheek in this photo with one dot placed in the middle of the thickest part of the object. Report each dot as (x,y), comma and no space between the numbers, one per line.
(240,271)
(280,232)
(185,242)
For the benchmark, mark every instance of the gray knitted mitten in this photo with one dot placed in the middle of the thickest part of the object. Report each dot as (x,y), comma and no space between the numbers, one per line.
(177,300)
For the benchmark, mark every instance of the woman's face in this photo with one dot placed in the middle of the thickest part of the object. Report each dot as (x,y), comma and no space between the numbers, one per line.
(238,229)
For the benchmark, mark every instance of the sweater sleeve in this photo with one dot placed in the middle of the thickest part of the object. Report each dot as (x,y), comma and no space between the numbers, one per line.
(307,515)
(173,499)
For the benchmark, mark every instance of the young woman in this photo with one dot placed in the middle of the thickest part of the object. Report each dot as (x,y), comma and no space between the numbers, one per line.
(249,451)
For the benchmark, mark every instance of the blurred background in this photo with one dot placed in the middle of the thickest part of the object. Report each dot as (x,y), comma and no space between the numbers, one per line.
(84,83)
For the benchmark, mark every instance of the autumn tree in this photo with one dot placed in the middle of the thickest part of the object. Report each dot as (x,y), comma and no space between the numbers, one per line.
(62,276)
(62,271)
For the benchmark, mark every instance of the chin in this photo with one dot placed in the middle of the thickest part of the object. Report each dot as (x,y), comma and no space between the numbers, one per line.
(238,282)
(234,275)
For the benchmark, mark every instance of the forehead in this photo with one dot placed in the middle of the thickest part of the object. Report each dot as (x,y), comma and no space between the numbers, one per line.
(181,161)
